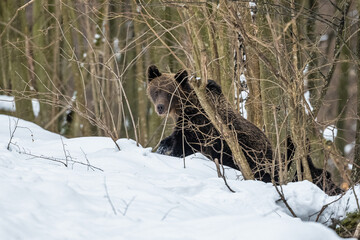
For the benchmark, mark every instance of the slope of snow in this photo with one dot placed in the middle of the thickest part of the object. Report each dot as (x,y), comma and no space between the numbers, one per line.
(138,194)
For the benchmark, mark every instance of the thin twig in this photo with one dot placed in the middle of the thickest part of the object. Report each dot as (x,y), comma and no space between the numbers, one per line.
(282,197)
(15,15)
(224,178)
(356,198)
(13,132)
(59,160)
(108,197)
(326,205)
(167,213)
(223,169)
(87,160)
(217,167)
(127,205)
(63,146)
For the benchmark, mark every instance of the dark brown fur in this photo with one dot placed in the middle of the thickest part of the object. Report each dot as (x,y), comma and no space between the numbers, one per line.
(195,133)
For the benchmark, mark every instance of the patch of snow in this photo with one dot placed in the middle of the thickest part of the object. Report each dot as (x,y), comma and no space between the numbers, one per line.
(354,14)
(349,147)
(117,49)
(127,123)
(330,133)
(252,4)
(306,70)
(7,103)
(243,97)
(324,37)
(142,195)
(307,99)
(73,98)
(96,37)
(35,106)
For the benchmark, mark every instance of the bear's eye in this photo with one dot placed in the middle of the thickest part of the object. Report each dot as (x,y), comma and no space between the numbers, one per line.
(156,93)
(169,95)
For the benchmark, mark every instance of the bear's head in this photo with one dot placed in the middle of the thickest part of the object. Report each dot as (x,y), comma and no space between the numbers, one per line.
(166,91)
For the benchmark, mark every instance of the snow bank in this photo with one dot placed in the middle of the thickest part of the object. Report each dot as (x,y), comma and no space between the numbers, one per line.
(141,195)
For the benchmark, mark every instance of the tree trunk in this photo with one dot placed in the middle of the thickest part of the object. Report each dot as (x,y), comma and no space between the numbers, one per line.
(356,166)
(343,95)
(252,73)
(41,68)
(19,75)
(79,126)
(297,112)
(139,78)
(56,77)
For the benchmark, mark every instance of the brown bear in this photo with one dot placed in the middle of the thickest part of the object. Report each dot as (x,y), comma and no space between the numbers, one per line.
(173,96)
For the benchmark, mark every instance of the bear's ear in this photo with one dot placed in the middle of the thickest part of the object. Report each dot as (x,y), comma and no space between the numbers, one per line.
(181,76)
(153,72)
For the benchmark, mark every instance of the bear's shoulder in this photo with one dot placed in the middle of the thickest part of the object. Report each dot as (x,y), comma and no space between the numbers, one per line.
(213,87)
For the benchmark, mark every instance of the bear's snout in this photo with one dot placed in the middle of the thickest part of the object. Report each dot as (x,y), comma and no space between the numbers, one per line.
(160,108)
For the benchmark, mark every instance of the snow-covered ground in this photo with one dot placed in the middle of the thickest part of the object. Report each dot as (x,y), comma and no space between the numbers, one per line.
(138,194)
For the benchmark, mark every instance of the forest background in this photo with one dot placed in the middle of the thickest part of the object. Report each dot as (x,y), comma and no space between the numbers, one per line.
(290,67)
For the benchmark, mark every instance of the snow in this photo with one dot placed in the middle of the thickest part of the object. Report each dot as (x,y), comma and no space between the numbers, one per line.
(330,133)
(307,99)
(252,4)
(96,37)
(349,147)
(324,37)
(117,50)
(244,96)
(7,103)
(36,106)
(138,194)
